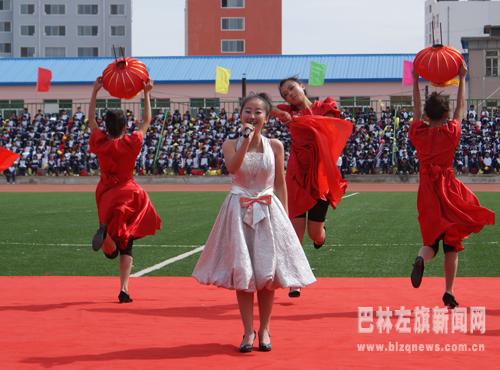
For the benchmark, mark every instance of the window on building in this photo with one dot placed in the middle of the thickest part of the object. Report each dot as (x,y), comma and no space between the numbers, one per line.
(354,101)
(27,30)
(87,30)
(212,103)
(5,27)
(117,9)
(158,105)
(11,104)
(56,105)
(27,9)
(4,4)
(66,104)
(363,101)
(27,52)
(232,24)
(401,101)
(347,101)
(88,52)
(108,103)
(102,105)
(55,51)
(6,47)
(55,9)
(55,30)
(10,107)
(197,103)
(232,46)
(232,3)
(87,9)
(492,57)
(117,30)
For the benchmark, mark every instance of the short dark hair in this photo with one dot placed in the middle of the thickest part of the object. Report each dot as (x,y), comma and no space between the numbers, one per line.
(293,79)
(261,96)
(115,122)
(436,106)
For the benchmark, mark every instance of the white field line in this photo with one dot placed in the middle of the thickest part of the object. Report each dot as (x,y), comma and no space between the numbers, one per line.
(349,195)
(196,246)
(88,245)
(167,262)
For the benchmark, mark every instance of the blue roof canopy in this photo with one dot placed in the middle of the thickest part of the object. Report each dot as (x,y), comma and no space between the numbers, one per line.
(201,69)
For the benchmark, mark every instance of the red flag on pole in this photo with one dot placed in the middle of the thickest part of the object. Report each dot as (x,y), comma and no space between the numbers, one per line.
(7,158)
(44,77)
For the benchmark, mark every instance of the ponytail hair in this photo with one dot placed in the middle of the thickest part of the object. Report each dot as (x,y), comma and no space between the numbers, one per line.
(261,96)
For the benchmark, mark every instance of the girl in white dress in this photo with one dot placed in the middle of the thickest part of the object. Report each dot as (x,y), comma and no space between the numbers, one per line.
(252,246)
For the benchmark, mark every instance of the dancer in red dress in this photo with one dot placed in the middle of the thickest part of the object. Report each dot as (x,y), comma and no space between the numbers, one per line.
(313,179)
(447,209)
(124,209)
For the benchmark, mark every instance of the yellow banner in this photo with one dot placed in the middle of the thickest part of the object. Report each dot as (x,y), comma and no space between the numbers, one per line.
(222,76)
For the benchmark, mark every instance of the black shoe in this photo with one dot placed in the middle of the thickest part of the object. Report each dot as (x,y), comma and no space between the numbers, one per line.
(265,347)
(294,293)
(245,348)
(449,300)
(318,246)
(124,297)
(99,237)
(418,272)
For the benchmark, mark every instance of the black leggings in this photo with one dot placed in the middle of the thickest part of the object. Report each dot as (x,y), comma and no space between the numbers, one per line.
(127,251)
(446,248)
(317,212)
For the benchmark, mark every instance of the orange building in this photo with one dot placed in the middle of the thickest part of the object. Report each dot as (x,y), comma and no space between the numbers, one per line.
(228,27)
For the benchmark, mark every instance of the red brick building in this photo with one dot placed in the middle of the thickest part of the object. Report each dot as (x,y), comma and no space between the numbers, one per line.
(229,27)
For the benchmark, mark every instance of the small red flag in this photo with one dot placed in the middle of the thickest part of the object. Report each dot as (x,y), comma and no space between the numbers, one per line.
(7,158)
(44,77)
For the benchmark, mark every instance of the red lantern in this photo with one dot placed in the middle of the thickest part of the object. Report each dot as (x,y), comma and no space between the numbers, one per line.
(438,63)
(124,77)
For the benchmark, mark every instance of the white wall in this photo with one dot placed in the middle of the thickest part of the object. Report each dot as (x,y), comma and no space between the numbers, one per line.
(459,19)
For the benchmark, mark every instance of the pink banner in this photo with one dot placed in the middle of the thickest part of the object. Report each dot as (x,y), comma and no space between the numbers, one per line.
(407,73)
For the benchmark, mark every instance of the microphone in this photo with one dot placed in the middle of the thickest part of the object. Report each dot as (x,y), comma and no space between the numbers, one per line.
(246,132)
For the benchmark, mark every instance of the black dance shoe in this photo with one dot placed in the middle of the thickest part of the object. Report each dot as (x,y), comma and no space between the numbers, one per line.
(245,348)
(449,300)
(294,293)
(418,272)
(98,239)
(318,246)
(265,347)
(124,297)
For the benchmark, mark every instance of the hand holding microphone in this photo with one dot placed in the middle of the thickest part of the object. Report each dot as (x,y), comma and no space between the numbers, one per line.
(248,130)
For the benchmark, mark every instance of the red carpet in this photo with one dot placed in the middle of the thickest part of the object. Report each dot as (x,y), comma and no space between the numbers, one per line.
(174,323)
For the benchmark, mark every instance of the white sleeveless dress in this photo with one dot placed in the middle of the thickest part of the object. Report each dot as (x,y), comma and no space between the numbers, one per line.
(252,244)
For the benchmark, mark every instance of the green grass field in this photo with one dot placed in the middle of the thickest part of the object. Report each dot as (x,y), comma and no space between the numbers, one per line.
(370,234)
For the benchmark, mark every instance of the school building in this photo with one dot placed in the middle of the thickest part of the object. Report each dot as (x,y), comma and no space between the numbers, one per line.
(221,27)
(187,82)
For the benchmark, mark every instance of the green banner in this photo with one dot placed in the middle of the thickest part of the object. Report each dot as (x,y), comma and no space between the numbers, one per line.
(317,74)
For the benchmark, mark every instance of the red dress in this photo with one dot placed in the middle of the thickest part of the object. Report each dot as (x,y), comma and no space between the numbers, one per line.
(446,207)
(317,142)
(122,204)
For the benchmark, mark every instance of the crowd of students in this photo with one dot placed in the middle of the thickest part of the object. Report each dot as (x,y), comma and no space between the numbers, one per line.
(191,144)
